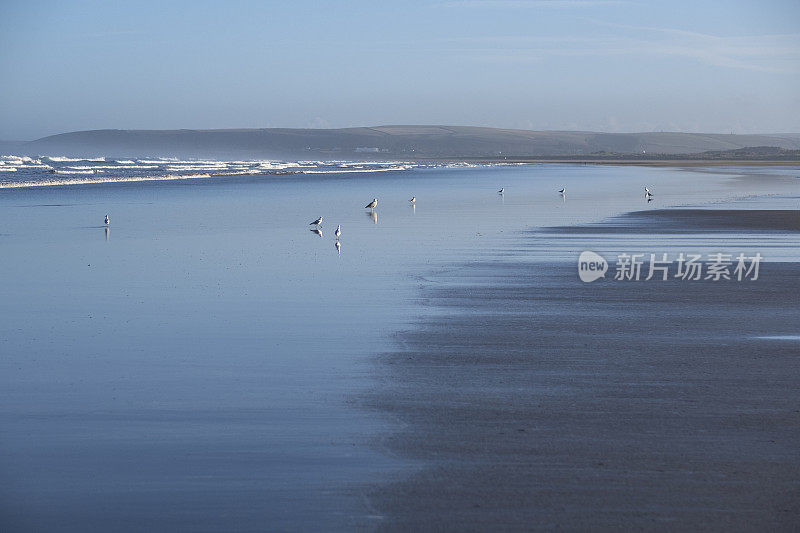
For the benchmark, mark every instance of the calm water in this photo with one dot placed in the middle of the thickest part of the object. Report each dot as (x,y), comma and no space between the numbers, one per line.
(198,366)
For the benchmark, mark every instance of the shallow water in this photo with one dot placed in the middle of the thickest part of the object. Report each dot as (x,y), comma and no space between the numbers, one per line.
(198,365)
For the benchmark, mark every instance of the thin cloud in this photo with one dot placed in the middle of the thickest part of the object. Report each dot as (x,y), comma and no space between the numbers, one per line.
(777,53)
(766,53)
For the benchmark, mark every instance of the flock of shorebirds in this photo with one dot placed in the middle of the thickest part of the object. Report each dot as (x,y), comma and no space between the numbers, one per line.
(374,203)
(338,233)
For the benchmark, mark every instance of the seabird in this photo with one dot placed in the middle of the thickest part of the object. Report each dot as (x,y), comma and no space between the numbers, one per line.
(338,231)
(317,222)
(372,204)
(647,192)
(564,190)
(501,191)
(413,199)
(108,220)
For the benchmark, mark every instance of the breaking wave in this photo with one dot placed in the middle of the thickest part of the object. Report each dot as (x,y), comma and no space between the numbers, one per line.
(64,170)
(92,181)
(351,170)
(59,159)
(78,171)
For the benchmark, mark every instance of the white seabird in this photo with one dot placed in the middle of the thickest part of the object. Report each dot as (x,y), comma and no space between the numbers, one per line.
(108,220)
(372,204)
(563,191)
(338,231)
(317,222)
(413,199)
(501,191)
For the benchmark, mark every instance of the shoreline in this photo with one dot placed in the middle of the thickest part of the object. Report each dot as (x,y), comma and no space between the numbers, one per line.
(539,402)
(633,162)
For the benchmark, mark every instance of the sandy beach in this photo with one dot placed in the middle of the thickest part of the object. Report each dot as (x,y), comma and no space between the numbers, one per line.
(208,363)
(533,401)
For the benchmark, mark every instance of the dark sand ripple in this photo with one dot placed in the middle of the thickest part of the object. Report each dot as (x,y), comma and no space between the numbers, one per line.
(690,220)
(540,402)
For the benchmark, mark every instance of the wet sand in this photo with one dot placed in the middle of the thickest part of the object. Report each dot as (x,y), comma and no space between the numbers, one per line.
(676,163)
(193,366)
(535,401)
(692,220)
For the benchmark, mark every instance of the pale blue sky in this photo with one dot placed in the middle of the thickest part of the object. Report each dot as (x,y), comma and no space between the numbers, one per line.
(547,64)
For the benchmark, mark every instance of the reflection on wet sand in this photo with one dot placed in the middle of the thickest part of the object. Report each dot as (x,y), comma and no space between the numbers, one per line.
(374,216)
(316,231)
(338,247)
(108,232)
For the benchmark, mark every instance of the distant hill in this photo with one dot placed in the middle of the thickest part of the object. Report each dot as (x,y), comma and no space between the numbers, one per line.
(749,153)
(752,153)
(395,142)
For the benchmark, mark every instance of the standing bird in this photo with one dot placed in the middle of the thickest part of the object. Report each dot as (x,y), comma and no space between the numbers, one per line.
(563,191)
(317,222)
(501,191)
(108,220)
(338,231)
(647,192)
(372,204)
(413,199)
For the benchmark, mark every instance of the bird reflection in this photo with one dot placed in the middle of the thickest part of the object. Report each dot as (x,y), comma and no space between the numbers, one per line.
(317,231)
(338,247)
(649,199)
(108,232)
(374,216)
(413,208)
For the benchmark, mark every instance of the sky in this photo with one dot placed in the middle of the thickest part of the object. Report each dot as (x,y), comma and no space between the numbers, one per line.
(596,65)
